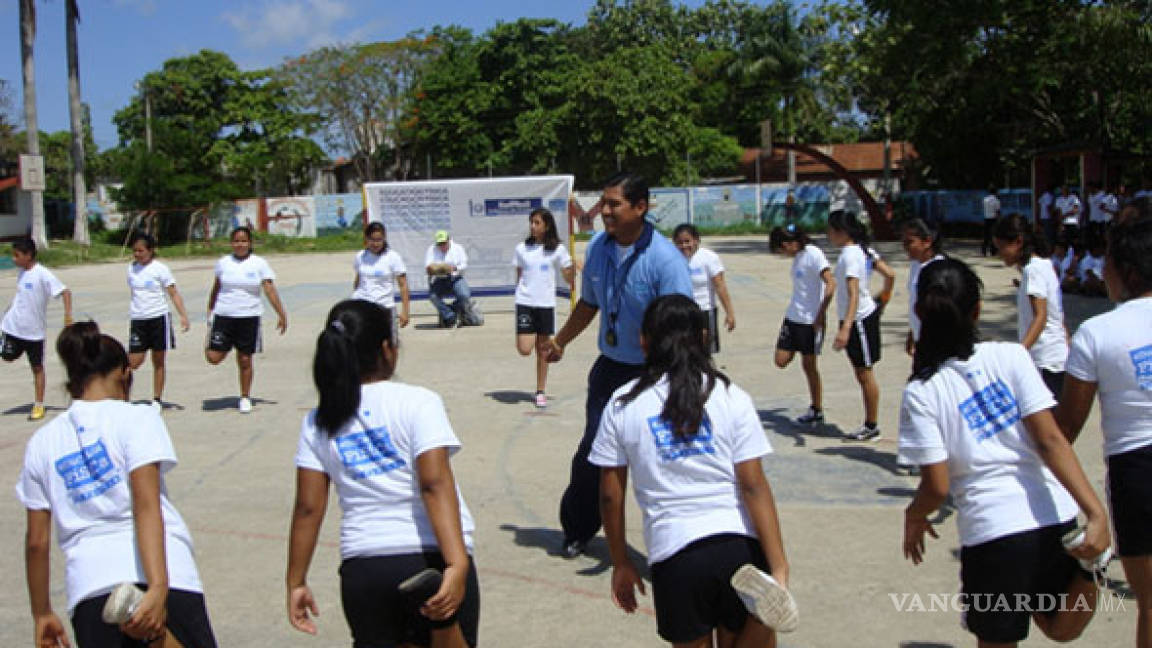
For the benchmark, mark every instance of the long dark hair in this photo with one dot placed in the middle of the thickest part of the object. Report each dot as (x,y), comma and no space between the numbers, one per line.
(922,230)
(1010,227)
(551,235)
(846,221)
(789,233)
(947,296)
(1130,247)
(88,354)
(674,328)
(349,351)
(377,226)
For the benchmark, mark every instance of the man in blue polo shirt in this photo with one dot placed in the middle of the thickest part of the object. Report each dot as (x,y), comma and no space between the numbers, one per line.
(624,270)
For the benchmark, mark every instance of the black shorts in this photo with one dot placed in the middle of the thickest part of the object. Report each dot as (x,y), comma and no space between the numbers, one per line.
(864,341)
(1130,496)
(187,621)
(381,616)
(711,319)
(1054,381)
(691,589)
(241,333)
(154,333)
(12,347)
(531,319)
(799,338)
(1025,564)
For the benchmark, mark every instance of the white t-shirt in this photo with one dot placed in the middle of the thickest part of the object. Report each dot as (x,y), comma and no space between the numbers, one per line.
(1096,202)
(538,267)
(1061,265)
(808,266)
(1039,280)
(240,284)
(1044,203)
(686,488)
(970,413)
(1110,206)
(1069,208)
(377,273)
(148,285)
(991,207)
(702,268)
(914,269)
(455,256)
(1093,263)
(27,316)
(853,263)
(372,463)
(1114,350)
(77,467)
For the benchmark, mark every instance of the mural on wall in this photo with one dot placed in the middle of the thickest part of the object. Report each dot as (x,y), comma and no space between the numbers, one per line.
(339,213)
(293,217)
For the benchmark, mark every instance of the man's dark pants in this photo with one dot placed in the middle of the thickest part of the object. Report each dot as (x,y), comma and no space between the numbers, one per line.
(580,505)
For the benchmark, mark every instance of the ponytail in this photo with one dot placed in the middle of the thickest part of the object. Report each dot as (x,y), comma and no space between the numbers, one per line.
(674,328)
(88,354)
(349,351)
(846,221)
(947,297)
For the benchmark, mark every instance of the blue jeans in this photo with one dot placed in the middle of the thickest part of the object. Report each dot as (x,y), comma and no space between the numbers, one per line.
(441,287)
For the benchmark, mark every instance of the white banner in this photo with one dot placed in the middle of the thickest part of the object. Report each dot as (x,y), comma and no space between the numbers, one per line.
(488,216)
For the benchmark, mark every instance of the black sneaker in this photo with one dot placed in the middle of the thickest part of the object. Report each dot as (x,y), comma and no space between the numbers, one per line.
(573,548)
(865,433)
(812,417)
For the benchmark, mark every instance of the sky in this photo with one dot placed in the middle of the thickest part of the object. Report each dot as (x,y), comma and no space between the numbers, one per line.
(122,40)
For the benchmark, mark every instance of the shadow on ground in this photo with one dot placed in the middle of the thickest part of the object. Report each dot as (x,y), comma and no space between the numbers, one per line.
(510,396)
(867,454)
(777,420)
(26,409)
(552,541)
(229,402)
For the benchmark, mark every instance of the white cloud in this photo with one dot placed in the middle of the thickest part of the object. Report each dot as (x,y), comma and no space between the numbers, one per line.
(311,23)
(144,7)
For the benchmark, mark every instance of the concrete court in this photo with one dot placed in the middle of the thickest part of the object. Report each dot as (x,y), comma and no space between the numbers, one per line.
(841,504)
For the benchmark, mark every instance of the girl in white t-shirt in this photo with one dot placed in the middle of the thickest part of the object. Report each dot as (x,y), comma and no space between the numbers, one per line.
(1091,269)
(97,471)
(385,447)
(922,245)
(707,273)
(380,274)
(1111,357)
(1039,302)
(693,442)
(536,261)
(976,418)
(234,309)
(805,320)
(859,330)
(150,328)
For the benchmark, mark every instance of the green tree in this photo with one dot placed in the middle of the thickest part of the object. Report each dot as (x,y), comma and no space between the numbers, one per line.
(76,114)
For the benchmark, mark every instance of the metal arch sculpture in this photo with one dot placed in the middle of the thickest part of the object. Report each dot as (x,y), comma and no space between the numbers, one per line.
(881,225)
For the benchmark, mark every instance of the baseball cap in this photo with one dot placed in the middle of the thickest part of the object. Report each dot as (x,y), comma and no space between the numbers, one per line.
(441,236)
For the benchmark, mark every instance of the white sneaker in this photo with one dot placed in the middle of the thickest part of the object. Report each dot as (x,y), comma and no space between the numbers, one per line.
(766,599)
(245,405)
(121,603)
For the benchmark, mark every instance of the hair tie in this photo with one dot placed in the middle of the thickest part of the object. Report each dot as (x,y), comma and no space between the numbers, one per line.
(338,326)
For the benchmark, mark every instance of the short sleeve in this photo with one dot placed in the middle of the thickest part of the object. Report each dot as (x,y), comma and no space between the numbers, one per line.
(854,263)
(1032,395)
(147,441)
(1081,363)
(608,448)
(306,455)
(713,265)
(54,285)
(587,286)
(398,267)
(921,439)
(562,258)
(428,255)
(30,487)
(1034,280)
(219,271)
(748,438)
(266,273)
(166,278)
(356,262)
(430,427)
(818,260)
(518,257)
(674,277)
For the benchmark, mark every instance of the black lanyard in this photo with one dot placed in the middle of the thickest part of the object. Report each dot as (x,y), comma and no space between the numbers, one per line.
(617,283)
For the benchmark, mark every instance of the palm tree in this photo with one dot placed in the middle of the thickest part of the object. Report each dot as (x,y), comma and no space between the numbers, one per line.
(79,188)
(31,129)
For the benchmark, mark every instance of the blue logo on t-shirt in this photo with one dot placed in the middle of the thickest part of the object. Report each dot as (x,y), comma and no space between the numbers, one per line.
(369,453)
(990,410)
(545,267)
(672,446)
(1142,359)
(87,473)
(250,274)
(28,285)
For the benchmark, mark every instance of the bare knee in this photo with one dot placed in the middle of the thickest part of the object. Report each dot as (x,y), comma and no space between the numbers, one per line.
(243,360)
(214,358)
(1065,634)
(783,358)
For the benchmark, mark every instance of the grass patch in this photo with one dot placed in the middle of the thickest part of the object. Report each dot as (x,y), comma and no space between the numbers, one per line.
(110,248)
